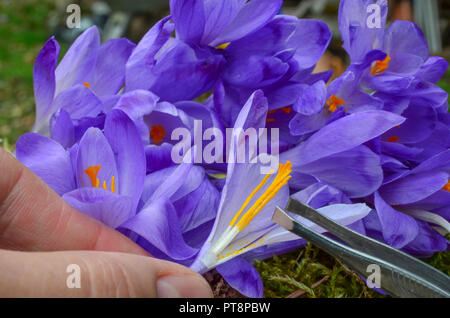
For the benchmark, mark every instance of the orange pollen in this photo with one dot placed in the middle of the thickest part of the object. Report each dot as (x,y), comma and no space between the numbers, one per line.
(270,120)
(393,139)
(380,66)
(287,109)
(333,103)
(87,84)
(157,133)
(447,186)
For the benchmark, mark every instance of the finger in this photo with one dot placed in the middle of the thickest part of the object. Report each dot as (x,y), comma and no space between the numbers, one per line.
(33,217)
(95,274)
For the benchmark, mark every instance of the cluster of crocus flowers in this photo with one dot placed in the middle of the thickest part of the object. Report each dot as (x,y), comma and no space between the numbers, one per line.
(370,149)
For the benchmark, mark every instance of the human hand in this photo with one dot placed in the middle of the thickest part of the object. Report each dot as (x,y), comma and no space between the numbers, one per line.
(35,223)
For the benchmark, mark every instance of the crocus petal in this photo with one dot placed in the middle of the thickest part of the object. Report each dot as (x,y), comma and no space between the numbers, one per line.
(414,187)
(103,205)
(189,19)
(418,126)
(44,84)
(312,98)
(78,64)
(126,144)
(63,130)
(137,103)
(254,112)
(305,124)
(398,228)
(180,75)
(433,69)
(427,242)
(243,277)
(138,67)
(158,157)
(158,224)
(252,16)
(78,101)
(405,37)
(268,41)
(356,172)
(255,71)
(343,134)
(320,194)
(48,159)
(110,68)
(311,39)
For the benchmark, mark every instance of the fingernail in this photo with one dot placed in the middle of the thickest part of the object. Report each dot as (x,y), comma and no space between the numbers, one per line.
(188,286)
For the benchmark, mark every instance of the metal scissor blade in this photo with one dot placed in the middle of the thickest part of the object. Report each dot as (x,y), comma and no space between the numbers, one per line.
(395,279)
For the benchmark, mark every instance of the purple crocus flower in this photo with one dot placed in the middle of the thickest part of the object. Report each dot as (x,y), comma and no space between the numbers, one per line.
(243,221)
(102,175)
(88,75)
(409,204)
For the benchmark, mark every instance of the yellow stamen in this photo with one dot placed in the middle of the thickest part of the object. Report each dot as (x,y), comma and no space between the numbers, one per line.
(87,84)
(113,185)
(223,46)
(280,180)
(380,66)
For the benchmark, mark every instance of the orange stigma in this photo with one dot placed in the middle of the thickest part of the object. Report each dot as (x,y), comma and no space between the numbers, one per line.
(92,173)
(393,139)
(333,103)
(447,186)
(87,84)
(380,66)
(157,133)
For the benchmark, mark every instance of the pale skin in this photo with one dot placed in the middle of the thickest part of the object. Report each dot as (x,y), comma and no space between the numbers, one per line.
(41,235)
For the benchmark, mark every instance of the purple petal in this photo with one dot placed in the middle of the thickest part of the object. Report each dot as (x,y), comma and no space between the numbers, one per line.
(128,149)
(311,39)
(44,84)
(63,130)
(189,19)
(103,205)
(255,71)
(138,67)
(158,157)
(253,15)
(242,276)
(344,134)
(78,64)
(356,172)
(427,242)
(78,101)
(312,98)
(433,69)
(110,69)
(158,223)
(137,103)
(48,159)
(413,188)
(398,228)
(405,37)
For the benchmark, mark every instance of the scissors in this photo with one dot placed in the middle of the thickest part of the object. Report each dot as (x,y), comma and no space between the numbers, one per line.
(401,275)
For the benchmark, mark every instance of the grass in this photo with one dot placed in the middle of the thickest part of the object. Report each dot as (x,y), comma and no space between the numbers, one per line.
(23,32)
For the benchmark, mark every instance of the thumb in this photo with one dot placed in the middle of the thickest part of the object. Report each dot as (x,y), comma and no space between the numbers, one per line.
(95,274)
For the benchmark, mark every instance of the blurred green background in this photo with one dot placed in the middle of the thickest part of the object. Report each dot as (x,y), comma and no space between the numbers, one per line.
(25,26)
